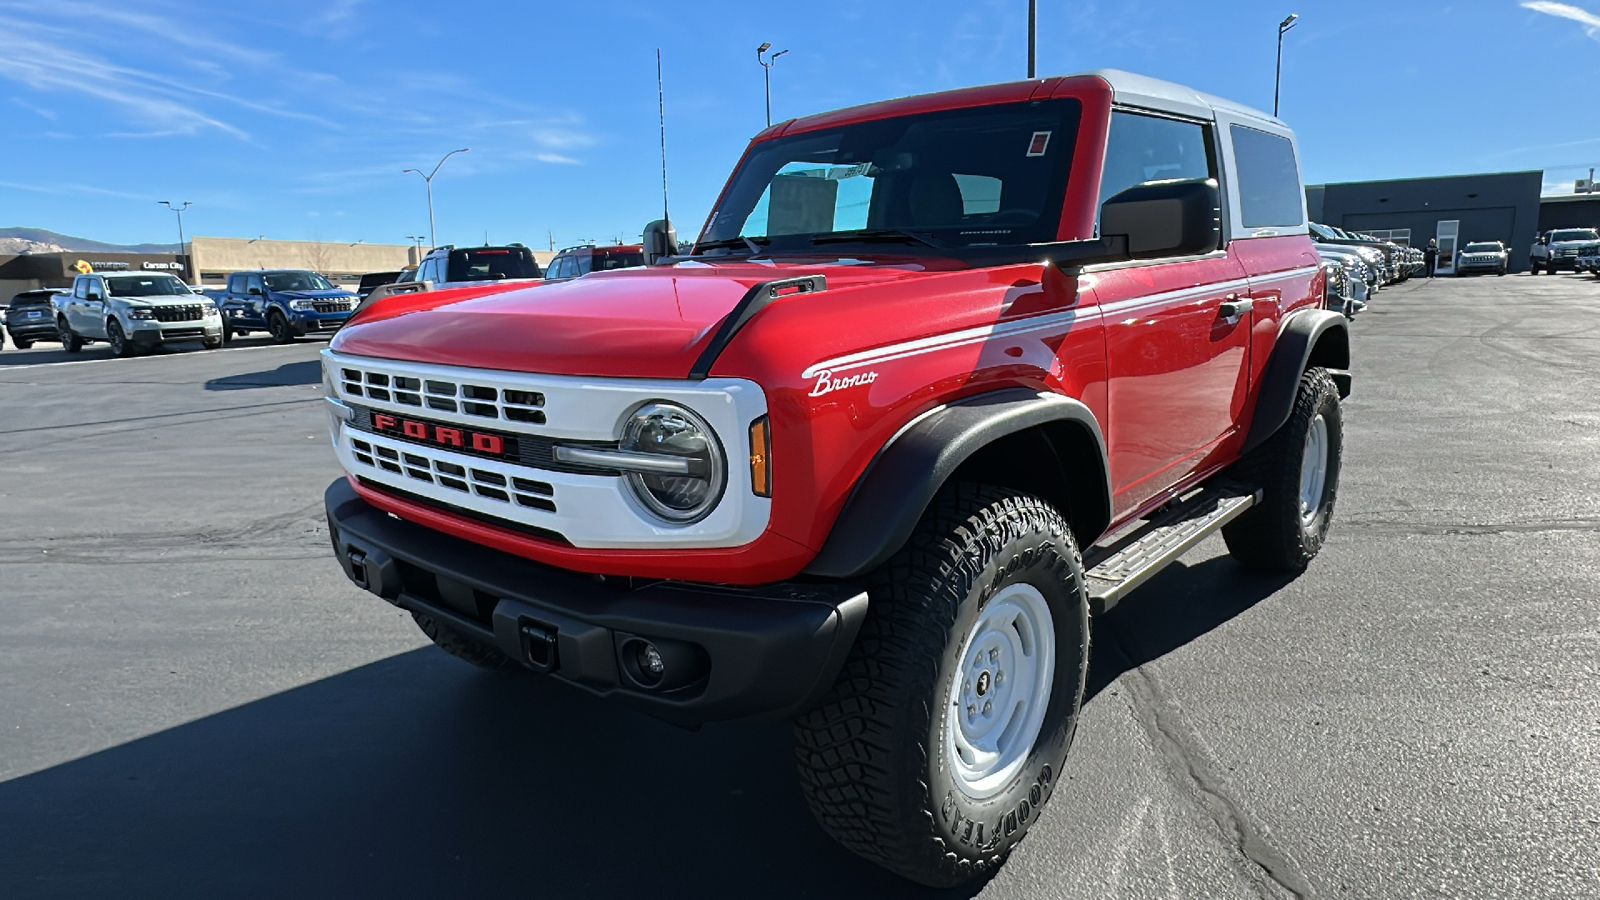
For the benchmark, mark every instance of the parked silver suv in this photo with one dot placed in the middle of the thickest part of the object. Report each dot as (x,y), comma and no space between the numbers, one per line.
(134,312)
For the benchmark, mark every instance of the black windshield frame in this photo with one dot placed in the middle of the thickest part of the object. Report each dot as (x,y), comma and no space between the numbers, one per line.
(970,145)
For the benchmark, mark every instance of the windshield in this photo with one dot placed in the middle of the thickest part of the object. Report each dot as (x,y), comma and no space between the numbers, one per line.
(492,264)
(1482,248)
(296,281)
(1575,234)
(146,286)
(33,298)
(986,176)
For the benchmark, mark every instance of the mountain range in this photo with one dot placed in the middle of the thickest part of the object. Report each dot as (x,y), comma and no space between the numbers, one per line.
(23,241)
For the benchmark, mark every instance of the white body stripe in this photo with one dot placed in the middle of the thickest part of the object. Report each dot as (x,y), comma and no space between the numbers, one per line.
(1037,323)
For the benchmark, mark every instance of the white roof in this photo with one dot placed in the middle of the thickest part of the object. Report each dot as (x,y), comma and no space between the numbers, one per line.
(1143,91)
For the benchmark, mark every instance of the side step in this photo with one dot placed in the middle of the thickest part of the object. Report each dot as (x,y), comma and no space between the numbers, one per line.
(1131,558)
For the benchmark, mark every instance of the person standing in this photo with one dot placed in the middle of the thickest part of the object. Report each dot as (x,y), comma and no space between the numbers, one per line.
(1430,255)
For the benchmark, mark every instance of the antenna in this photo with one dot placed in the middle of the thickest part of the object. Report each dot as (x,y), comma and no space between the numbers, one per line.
(661,113)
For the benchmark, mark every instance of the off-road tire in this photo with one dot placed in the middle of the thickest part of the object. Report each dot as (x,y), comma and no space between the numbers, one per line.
(71,342)
(1271,535)
(211,343)
(227,336)
(872,757)
(462,647)
(278,326)
(22,344)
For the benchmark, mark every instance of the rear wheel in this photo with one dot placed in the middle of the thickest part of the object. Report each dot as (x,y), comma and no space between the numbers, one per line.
(70,341)
(947,728)
(460,646)
(1297,470)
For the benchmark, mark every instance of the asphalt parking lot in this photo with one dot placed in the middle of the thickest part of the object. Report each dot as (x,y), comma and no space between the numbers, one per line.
(195,703)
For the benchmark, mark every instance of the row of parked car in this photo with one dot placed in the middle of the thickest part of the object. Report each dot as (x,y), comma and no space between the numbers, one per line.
(134,312)
(1359,265)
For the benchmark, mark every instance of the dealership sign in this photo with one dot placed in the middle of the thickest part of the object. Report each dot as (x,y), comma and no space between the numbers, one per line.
(100,265)
(161,265)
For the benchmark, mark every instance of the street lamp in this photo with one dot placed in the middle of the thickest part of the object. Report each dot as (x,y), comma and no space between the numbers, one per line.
(767,65)
(417,239)
(179,210)
(1277,78)
(1033,18)
(428,180)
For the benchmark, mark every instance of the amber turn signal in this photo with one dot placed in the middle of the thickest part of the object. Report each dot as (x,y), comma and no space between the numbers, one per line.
(760,453)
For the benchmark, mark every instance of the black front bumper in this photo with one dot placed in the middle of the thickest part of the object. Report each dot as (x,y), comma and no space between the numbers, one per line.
(757,654)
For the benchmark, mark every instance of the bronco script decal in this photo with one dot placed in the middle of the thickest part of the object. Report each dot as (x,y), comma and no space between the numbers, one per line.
(827,383)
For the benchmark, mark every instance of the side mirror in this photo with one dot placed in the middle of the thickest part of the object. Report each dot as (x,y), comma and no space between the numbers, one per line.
(92,294)
(660,239)
(1179,217)
(255,291)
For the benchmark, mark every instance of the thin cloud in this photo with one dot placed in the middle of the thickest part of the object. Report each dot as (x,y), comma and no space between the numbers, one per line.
(555,158)
(1589,21)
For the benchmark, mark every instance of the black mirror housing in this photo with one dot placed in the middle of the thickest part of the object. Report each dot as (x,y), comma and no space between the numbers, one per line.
(1179,217)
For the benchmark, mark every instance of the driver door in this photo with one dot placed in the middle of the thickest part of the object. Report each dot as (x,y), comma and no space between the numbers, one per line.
(92,312)
(255,299)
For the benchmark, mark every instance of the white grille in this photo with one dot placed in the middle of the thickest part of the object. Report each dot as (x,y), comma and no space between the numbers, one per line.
(419,465)
(484,401)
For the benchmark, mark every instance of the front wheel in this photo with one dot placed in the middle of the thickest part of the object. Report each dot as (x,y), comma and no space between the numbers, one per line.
(22,344)
(120,345)
(1297,470)
(946,730)
(280,329)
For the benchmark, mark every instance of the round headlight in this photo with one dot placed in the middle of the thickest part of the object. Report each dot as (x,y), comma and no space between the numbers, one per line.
(668,430)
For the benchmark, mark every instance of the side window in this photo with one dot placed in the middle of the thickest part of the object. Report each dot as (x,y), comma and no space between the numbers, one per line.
(254,281)
(585,262)
(235,284)
(1269,180)
(428,271)
(80,287)
(1144,148)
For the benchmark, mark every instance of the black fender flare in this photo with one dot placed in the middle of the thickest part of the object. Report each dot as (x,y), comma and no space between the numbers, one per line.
(1302,334)
(898,485)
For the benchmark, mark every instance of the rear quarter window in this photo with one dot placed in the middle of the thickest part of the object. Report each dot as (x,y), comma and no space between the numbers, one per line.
(1270,195)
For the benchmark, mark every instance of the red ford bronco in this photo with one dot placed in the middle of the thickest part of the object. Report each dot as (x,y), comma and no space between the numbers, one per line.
(942,378)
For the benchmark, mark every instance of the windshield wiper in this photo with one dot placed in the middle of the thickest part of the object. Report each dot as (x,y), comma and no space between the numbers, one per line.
(754,245)
(876,236)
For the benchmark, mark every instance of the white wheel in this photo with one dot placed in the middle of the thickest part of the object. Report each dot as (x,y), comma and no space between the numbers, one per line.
(1008,664)
(1313,470)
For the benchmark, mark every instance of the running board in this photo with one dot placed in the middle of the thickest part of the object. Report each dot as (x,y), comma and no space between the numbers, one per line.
(1131,559)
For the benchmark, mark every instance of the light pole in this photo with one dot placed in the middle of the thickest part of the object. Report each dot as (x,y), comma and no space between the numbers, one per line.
(767,65)
(416,239)
(179,210)
(1033,18)
(1277,77)
(428,180)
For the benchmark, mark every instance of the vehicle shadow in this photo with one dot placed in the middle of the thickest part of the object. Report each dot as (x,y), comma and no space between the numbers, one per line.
(41,354)
(1181,604)
(417,776)
(308,371)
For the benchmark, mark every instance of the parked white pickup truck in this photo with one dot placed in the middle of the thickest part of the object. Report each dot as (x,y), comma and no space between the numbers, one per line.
(134,312)
(1559,249)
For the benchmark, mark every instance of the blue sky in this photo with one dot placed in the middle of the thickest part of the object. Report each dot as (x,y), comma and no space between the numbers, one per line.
(294,119)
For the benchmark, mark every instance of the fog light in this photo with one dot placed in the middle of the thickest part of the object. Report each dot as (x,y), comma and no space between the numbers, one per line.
(650,661)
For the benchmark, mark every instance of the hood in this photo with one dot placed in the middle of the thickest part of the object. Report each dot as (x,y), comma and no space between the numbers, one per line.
(629,323)
(333,294)
(183,300)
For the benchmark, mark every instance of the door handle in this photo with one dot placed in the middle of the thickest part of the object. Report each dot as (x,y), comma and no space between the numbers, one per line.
(1233,306)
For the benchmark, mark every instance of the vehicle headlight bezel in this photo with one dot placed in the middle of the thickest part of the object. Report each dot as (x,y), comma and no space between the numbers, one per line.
(643,433)
(303,305)
(144,313)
